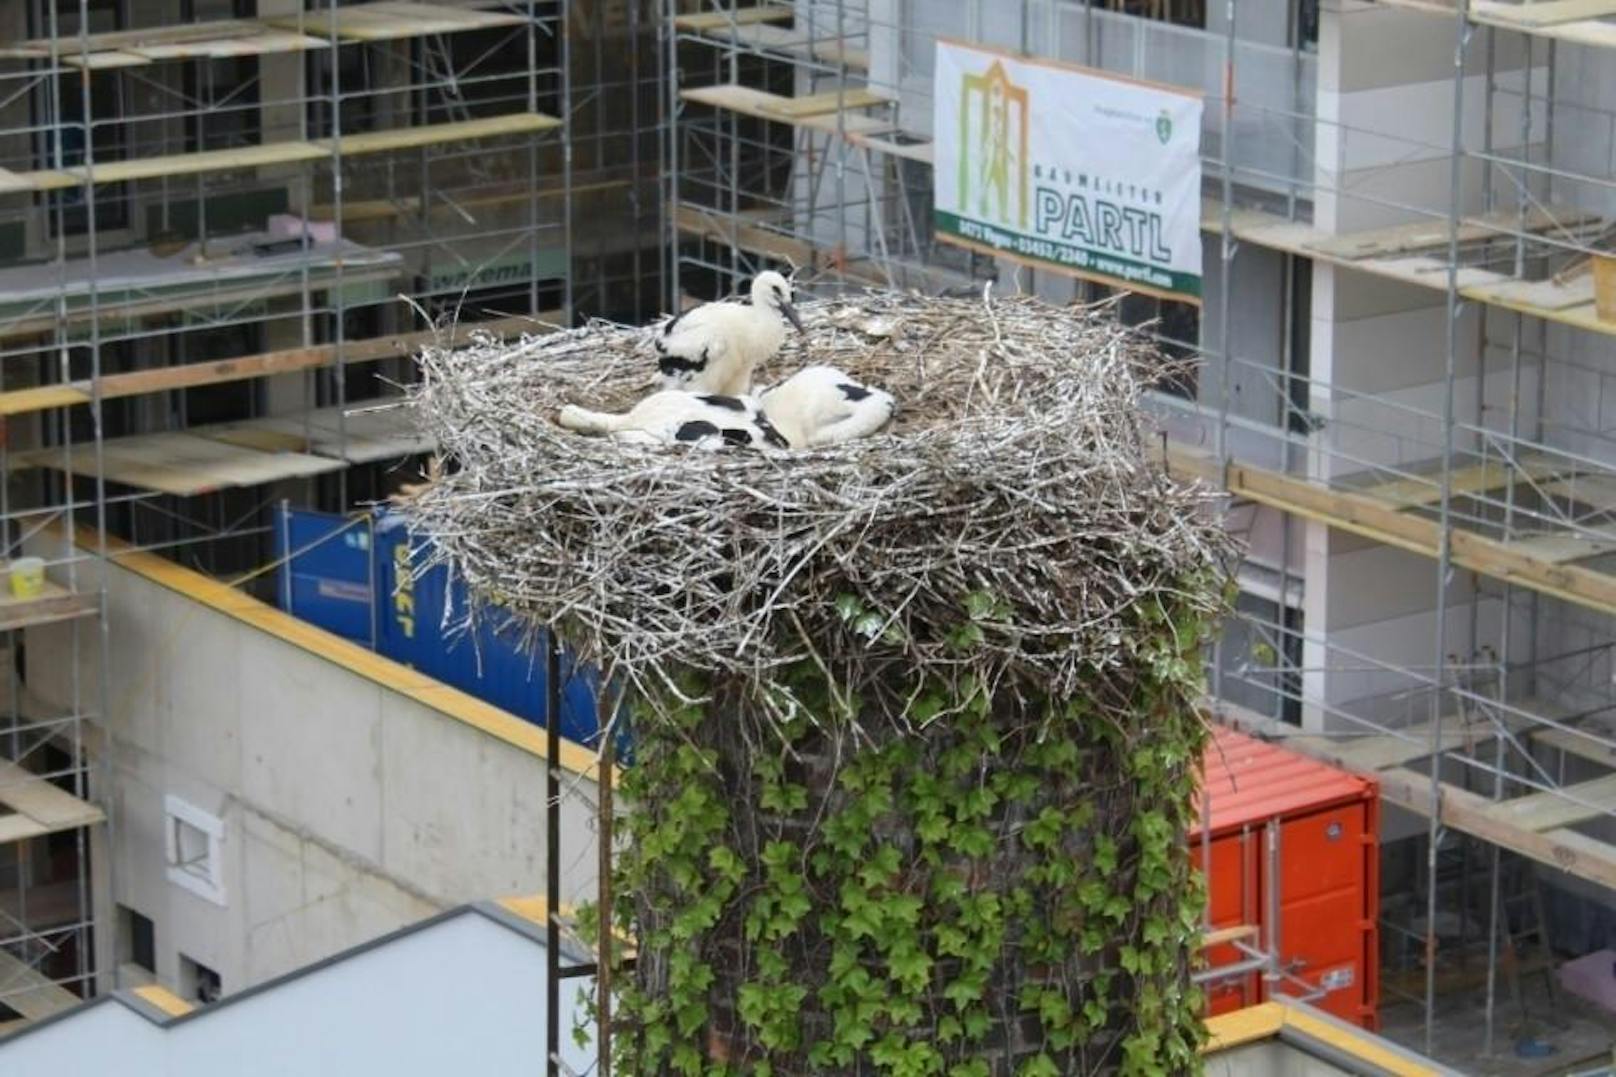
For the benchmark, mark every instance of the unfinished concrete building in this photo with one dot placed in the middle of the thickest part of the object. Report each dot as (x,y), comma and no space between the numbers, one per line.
(1400,382)
(223,229)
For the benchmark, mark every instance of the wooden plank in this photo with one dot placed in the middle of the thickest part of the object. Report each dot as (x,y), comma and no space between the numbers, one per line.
(190,375)
(1384,523)
(1224,935)
(393,20)
(1563,548)
(43,802)
(1560,848)
(1432,233)
(163,999)
(184,464)
(187,164)
(1476,479)
(1545,294)
(11,181)
(404,138)
(53,603)
(713,20)
(791,41)
(724,228)
(831,101)
(101,61)
(913,151)
(28,991)
(779,109)
(1543,13)
(1548,810)
(1595,491)
(261,41)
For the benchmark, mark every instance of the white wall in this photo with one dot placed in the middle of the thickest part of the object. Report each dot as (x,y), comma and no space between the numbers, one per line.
(350,809)
(463,992)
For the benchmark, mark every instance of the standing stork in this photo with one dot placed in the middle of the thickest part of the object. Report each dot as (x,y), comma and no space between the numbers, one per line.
(714,348)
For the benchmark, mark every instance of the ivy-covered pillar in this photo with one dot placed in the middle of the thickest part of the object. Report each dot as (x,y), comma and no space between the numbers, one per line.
(914,723)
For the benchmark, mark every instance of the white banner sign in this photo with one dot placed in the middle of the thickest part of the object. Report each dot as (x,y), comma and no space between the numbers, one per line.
(1076,170)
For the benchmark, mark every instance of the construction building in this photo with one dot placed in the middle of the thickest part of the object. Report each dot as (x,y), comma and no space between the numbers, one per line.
(211,219)
(1400,382)
(224,228)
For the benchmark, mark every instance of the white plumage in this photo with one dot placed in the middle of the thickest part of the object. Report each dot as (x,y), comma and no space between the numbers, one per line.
(820,405)
(714,348)
(675,416)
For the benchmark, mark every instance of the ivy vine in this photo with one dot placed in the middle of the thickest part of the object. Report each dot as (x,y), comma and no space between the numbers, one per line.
(981,881)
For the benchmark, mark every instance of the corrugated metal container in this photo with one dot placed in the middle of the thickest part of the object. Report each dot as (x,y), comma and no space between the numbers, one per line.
(360,579)
(1273,816)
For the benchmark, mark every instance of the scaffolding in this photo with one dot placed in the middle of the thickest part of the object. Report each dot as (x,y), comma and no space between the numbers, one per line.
(798,136)
(223,233)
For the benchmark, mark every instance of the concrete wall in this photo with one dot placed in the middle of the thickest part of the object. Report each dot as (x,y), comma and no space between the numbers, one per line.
(352,802)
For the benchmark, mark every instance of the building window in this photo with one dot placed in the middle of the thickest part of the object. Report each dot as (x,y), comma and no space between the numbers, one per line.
(1260,658)
(1174,327)
(199,982)
(192,838)
(139,940)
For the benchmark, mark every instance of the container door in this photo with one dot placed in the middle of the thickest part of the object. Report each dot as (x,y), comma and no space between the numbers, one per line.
(1231,897)
(1328,907)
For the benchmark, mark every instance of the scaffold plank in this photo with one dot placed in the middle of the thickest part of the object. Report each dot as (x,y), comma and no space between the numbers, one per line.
(184,465)
(11,181)
(187,164)
(1432,233)
(712,20)
(914,151)
(1389,525)
(53,603)
(192,41)
(791,41)
(51,807)
(830,101)
(30,992)
(1560,848)
(265,364)
(1547,810)
(724,228)
(392,20)
(1419,491)
(1545,12)
(363,433)
(405,138)
(779,109)
(1594,491)
(102,61)
(1564,547)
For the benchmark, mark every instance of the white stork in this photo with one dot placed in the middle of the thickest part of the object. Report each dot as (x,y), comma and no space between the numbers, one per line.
(715,347)
(820,405)
(675,416)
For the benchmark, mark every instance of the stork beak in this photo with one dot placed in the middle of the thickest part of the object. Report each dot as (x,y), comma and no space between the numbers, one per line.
(791,314)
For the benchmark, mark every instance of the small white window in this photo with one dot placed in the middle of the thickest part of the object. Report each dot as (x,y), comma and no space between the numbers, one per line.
(192,838)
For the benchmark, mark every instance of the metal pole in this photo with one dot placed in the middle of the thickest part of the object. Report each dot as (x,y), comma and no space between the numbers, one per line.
(603,978)
(1225,287)
(565,32)
(552,854)
(339,373)
(1445,548)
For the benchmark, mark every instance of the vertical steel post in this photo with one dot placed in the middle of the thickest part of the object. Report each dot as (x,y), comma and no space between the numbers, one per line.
(552,854)
(605,943)
(1445,547)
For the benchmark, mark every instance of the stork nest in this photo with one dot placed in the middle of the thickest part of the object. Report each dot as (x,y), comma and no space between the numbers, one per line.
(1009,520)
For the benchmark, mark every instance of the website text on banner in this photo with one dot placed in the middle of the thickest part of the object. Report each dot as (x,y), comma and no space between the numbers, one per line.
(1070,169)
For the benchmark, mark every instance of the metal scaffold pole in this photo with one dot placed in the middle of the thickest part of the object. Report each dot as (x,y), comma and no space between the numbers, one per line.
(1445,516)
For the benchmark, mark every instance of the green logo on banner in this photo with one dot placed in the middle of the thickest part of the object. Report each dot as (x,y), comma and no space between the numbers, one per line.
(1164,127)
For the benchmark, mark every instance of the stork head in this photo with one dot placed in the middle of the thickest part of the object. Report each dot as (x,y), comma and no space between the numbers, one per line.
(771,291)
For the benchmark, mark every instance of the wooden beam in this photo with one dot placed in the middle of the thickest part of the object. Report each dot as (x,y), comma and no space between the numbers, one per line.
(265,364)
(1384,523)
(713,20)
(51,808)
(30,992)
(1464,811)
(54,603)
(1547,810)
(432,134)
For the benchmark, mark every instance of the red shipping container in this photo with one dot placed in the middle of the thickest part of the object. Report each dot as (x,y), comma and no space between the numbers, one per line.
(1279,815)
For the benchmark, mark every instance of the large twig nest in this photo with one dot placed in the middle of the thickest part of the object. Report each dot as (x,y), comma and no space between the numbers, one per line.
(1016,478)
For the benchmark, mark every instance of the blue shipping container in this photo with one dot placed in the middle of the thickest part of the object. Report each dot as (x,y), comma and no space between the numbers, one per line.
(417,617)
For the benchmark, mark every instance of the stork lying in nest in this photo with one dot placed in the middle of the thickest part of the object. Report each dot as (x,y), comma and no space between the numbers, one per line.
(815,407)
